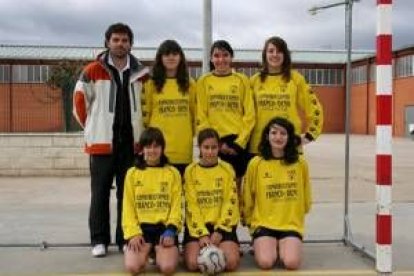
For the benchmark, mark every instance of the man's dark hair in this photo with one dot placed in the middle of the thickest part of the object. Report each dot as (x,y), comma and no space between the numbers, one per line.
(119,28)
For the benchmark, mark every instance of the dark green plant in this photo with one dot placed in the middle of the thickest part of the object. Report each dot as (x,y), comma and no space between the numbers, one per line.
(63,75)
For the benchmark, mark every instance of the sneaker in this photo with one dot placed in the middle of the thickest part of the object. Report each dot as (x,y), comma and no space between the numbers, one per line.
(151,258)
(99,250)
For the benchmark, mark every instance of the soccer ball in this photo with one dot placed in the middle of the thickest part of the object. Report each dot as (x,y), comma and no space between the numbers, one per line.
(211,260)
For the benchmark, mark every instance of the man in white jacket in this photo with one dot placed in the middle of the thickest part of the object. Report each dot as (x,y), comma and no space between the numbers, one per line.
(107,104)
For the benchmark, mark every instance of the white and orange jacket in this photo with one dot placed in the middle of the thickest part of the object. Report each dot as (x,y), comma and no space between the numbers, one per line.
(94,102)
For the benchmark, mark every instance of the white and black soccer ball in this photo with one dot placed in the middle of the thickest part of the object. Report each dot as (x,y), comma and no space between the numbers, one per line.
(211,260)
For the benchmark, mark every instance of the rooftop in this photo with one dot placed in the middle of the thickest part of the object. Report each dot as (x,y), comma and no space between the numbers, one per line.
(41,52)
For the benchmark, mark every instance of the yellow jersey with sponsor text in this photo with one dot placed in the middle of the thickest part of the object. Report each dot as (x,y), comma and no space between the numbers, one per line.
(173,112)
(151,195)
(276,97)
(276,195)
(211,197)
(225,103)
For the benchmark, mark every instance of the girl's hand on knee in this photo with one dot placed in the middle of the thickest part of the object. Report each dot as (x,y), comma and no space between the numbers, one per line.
(204,241)
(167,241)
(167,238)
(216,238)
(136,244)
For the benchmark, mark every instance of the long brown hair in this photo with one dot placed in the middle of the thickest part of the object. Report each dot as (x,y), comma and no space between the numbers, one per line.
(281,46)
(159,74)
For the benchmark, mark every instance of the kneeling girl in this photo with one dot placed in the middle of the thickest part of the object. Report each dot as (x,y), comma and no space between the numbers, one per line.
(152,214)
(212,208)
(276,196)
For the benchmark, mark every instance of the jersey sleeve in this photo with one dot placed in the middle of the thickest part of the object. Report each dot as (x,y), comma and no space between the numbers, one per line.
(175,216)
(230,214)
(147,103)
(194,218)
(309,103)
(249,114)
(130,222)
(249,190)
(202,105)
(307,186)
(82,96)
(193,104)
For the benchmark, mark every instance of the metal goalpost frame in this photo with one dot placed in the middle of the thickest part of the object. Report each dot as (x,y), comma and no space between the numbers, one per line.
(347,238)
(384,137)
(383,256)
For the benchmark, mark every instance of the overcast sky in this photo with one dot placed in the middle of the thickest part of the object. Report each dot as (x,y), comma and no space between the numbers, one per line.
(245,24)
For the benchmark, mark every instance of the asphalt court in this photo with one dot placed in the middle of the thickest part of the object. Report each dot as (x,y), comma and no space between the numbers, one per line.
(55,210)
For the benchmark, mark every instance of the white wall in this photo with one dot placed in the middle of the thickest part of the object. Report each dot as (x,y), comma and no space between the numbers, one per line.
(43,154)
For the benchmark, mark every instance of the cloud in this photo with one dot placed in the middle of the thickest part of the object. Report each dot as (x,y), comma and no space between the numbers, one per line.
(246,24)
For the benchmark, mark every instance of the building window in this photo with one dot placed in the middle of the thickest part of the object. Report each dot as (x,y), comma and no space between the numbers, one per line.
(359,74)
(248,71)
(4,73)
(314,76)
(404,66)
(325,77)
(19,74)
(195,71)
(373,72)
(30,73)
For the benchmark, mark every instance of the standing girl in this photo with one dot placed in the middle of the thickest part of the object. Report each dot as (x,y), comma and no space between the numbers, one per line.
(151,215)
(212,210)
(277,195)
(280,91)
(170,103)
(224,101)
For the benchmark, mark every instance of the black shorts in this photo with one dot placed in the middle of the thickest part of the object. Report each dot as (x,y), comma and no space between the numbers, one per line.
(277,234)
(152,233)
(227,236)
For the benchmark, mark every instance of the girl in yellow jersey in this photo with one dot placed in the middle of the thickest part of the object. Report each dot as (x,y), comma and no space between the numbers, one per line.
(280,91)
(170,103)
(225,103)
(276,196)
(212,210)
(152,214)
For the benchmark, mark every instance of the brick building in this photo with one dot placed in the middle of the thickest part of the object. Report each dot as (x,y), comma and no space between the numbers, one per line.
(29,104)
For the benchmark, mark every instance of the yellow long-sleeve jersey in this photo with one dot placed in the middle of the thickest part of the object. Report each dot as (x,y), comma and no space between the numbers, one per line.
(225,103)
(211,197)
(152,195)
(276,97)
(174,114)
(275,195)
